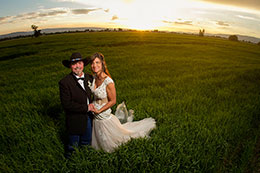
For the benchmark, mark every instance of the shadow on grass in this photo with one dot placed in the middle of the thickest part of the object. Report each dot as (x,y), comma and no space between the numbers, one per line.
(17,55)
(20,45)
(51,108)
(134,43)
(124,43)
(69,50)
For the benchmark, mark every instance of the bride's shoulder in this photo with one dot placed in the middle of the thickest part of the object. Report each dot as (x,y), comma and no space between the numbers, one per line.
(108,80)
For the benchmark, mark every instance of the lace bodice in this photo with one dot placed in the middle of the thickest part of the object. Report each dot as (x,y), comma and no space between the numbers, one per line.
(100,93)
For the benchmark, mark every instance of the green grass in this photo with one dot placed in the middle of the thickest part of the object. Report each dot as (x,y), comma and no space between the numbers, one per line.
(203,92)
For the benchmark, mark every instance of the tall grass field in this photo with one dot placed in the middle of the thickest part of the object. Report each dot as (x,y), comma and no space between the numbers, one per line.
(203,92)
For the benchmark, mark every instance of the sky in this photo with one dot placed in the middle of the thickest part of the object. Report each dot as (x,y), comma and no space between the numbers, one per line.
(215,16)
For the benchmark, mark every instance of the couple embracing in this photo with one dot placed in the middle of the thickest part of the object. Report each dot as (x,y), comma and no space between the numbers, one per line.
(87,101)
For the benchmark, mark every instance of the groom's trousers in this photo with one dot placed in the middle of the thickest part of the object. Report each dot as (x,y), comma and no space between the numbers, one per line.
(81,140)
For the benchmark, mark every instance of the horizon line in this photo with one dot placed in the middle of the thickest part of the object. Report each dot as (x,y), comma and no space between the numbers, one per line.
(113,29)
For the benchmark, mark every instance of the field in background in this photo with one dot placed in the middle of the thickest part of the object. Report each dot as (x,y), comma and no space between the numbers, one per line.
(203,92)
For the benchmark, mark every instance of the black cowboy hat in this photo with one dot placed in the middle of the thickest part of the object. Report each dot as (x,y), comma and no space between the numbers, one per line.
(76,56)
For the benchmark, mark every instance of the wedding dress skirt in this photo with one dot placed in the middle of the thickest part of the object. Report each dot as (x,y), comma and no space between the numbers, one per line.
(108,132)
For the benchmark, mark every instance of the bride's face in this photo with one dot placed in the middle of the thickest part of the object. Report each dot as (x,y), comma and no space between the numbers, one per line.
(96,66)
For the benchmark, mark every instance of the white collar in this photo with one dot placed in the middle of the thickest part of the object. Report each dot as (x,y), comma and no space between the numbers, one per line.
(78,76)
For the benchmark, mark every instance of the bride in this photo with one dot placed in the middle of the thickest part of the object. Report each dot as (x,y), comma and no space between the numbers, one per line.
(108,133)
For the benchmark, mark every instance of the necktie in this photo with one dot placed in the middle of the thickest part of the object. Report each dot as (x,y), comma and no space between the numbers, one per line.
(81,78)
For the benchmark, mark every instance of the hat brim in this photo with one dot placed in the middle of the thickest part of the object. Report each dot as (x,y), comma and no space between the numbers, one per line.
(67,63)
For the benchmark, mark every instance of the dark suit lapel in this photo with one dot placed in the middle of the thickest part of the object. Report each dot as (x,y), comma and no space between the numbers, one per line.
(86,85)
(87,89)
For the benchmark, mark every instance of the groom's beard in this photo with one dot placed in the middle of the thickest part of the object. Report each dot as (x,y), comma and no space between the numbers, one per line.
(78,71)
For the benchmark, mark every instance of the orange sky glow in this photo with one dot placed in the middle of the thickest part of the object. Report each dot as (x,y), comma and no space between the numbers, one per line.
(214,16)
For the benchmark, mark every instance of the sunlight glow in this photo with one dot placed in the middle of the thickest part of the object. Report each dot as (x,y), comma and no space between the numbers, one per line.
(146,14)
(167,15)
(171,15)
(150,14)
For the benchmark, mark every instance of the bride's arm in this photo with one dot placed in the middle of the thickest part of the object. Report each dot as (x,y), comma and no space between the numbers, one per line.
(111,96)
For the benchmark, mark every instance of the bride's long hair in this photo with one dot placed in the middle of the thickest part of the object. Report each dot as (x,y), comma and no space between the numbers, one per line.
(102,59)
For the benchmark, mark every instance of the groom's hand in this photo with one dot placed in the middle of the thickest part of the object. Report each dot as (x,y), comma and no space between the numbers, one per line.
(91,107)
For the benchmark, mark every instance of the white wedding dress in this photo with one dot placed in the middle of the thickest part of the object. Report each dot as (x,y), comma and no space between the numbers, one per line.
(108,133)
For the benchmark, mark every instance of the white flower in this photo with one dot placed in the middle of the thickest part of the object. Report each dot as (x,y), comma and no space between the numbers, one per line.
(89,85)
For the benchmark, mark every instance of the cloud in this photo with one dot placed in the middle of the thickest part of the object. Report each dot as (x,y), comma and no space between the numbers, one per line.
(19,16)
(5,19)
(247,17)
(107,10)
(221,23)
(128,1)
(199,12)
(66,0)
(51,13)
(252,4)
(184,23)
(55,13)
(165,21)
(83,11)
(179,22)
(43,13)
(114,18)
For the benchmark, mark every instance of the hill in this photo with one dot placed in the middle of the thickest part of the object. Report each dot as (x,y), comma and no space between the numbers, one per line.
(49,31)
(61,30)
(202,91)
(241,38)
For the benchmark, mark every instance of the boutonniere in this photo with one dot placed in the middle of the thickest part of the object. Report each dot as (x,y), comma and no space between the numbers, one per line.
(89,84)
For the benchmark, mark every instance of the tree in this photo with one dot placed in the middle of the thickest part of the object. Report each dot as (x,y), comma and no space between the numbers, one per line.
(37,33)
(201,33)
(34,27)
(258,43)
(233,38)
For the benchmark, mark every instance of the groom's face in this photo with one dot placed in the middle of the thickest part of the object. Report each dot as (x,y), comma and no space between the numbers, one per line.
(77,67)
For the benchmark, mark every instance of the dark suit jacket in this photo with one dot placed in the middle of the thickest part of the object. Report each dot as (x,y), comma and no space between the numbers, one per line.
(74,101)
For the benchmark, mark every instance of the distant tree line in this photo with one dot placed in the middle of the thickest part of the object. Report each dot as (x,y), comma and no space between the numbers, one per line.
(37,33)
(233,38)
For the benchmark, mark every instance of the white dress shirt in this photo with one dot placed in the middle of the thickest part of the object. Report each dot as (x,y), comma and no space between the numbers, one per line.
(81,82)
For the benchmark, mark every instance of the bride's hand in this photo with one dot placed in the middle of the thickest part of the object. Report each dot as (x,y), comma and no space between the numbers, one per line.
(95,111)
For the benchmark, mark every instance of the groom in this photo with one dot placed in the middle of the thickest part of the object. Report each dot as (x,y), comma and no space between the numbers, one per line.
(75,96)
